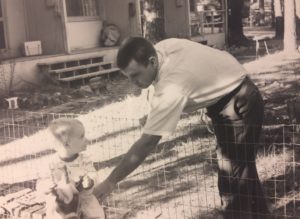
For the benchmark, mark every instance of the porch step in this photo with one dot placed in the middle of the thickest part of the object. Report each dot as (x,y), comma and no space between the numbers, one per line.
(104,65)
(76,70)
(88,75)
(71,61)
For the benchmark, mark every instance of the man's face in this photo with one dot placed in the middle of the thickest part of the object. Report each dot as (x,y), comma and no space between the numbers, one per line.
(77,141)
(141,75)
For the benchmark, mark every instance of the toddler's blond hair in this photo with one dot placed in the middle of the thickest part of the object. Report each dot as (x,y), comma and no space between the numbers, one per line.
(64,128)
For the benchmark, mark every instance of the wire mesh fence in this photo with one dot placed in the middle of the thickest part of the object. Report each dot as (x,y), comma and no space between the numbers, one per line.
(177,180)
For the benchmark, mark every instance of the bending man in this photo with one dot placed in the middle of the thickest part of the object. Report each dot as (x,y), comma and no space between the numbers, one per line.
(188,76)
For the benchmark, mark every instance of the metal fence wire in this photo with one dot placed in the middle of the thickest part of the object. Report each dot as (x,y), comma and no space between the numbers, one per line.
(177,180)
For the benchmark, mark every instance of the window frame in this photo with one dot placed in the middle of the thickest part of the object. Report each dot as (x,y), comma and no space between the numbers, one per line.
(212,24)
(197,22)
(83,18)
(3,20)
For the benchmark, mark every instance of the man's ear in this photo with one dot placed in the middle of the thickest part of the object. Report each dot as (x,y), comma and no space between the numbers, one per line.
(153,60)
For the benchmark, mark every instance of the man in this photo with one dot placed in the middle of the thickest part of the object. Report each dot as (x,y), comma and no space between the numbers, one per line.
(188,76)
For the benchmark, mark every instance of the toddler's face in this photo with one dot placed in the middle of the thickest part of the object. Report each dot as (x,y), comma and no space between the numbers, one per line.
(77,141)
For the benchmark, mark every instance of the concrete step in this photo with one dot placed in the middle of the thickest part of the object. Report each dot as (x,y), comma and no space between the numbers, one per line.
(88,75)
(104,65)
(72,62)
(77,69)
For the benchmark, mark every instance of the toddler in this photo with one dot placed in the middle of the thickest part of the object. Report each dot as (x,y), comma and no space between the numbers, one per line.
(68,188)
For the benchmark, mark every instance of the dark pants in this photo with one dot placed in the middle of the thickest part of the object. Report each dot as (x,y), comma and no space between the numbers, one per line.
(237,119)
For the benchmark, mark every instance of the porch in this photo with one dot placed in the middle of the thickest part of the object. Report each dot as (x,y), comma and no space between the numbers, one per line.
(77,66)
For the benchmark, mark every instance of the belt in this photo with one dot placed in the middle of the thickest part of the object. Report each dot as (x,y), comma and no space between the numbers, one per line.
(219,105)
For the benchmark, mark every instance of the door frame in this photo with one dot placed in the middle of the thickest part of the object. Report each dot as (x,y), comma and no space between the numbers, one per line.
(3,20)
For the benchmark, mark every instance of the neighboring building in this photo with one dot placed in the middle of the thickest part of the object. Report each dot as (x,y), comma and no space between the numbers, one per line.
(69,30)
(199,20)
(203,21)
(63,26)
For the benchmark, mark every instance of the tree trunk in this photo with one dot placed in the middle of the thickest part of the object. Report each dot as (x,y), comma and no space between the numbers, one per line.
(235,24)
(153,20)
(297,5)
(297,17)
(279,24)
(272,14)
(290,44)
(261,4)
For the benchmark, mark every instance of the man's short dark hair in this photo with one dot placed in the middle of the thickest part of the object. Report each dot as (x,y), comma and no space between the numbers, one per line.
(137,48)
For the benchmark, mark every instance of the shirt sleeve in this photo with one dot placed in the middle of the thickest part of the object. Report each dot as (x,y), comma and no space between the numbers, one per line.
(166,108)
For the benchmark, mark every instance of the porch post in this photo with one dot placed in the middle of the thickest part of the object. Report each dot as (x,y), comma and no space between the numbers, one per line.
(189,23)
(225,5)
(135,26)
(64,20)
(138,23)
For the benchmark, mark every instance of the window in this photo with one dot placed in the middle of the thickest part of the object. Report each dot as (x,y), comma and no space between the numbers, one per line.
(82,8)
(208,17)
(2,35)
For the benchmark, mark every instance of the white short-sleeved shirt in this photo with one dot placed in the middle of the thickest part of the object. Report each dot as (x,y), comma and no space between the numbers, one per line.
(191,76)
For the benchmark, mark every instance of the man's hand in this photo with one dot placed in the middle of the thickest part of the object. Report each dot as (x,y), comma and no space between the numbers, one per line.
(131,160)
(103,190)
(87,182)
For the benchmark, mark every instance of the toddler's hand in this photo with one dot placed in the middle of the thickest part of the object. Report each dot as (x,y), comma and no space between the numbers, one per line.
(103,189)
(65,192)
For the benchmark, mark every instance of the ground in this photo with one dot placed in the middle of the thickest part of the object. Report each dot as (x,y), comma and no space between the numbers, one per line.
(179,178)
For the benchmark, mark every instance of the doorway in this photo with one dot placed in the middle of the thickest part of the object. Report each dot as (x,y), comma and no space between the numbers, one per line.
(152,20)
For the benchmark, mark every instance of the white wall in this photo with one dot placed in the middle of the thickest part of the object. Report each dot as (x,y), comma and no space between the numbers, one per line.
(217,40)
(84,34)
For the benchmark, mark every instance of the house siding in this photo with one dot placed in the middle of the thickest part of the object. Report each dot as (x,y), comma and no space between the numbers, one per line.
(84,34)
(15,27)
(176,19)
(117,13)
(45,24)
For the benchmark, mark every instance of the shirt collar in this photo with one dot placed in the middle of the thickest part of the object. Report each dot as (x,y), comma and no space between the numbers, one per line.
(69,159)
(160,59)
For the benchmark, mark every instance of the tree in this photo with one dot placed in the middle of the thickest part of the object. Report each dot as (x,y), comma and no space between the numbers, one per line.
(297,17)
(279,24)
(235,24)
(289,42)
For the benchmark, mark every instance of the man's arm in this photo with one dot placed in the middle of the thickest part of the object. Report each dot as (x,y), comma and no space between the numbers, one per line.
(132,159)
